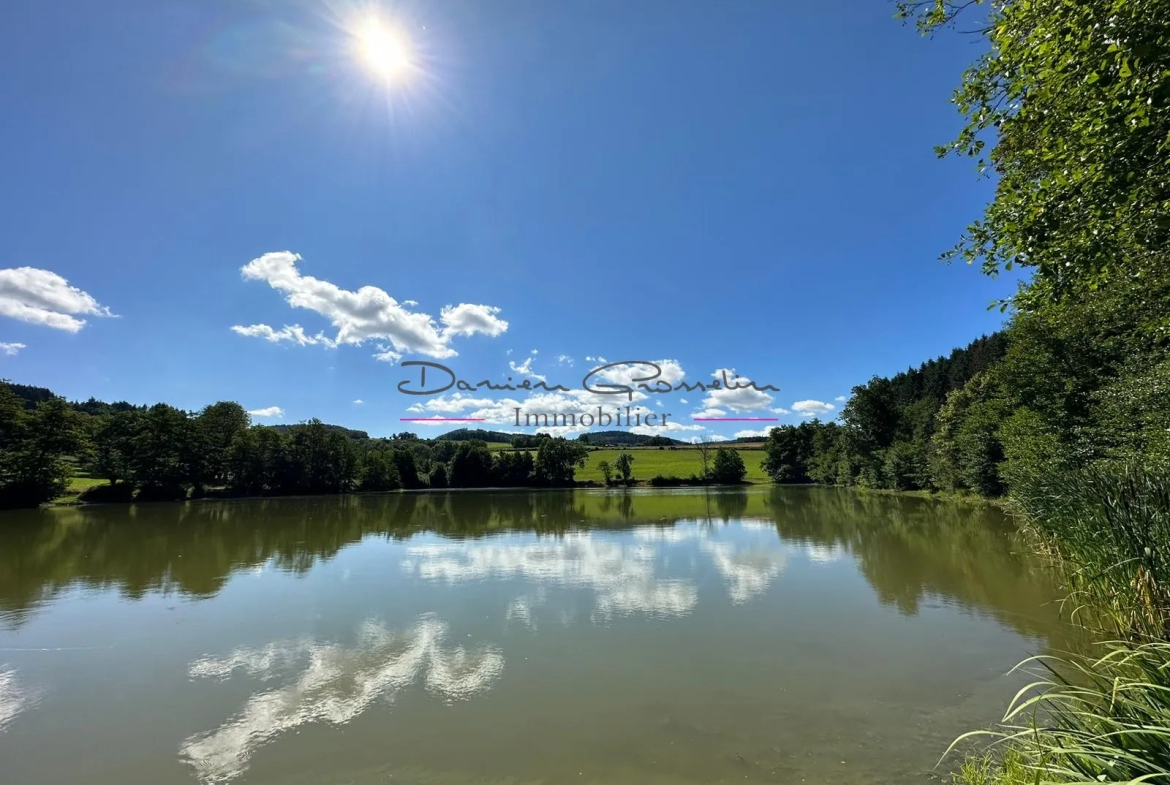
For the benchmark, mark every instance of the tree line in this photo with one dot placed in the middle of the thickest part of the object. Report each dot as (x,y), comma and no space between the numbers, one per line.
(161,452)
(1072,384)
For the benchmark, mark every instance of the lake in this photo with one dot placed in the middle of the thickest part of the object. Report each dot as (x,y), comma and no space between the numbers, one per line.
(695,636)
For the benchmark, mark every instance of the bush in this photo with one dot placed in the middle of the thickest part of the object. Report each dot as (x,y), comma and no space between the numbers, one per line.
(108,494)
(728,467)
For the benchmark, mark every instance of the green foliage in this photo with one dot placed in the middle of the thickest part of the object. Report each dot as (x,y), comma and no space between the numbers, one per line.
(470,466)
(557,459)
(728,466)
(34,448)
(789,452)
(606,471)
(1072,99)
(625,467)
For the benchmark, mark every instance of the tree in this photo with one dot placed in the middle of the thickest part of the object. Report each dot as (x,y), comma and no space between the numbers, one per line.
(728,466)
(624,464)
(33,465)
(378,472)
(606,471)
(512,469)
(704,448)
(470,466)
(214,429)
(1072,96)
(789,451)
(160,450)
(112,451)
(556,460)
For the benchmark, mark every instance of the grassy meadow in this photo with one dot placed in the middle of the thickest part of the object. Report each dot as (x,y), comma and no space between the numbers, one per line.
(650,462)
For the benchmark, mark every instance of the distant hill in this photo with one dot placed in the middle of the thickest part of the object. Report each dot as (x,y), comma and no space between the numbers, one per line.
(468,434)
(34,395)
(626,439)
(351,433)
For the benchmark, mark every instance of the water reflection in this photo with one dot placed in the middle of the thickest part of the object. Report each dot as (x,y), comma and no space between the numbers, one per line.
(336,684)
(624,578)
(908,549)
(748,571)
(15,697)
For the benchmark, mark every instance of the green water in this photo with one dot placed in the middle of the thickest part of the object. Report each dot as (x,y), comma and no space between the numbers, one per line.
(769,635)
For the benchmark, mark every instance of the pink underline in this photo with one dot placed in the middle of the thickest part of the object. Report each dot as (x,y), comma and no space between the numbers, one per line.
(440,419)
(736,419)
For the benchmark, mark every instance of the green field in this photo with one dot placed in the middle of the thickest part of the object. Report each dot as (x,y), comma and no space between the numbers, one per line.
(649,462)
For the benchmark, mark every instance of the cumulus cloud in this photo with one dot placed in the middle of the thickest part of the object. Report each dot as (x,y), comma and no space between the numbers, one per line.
(11,349)
(359,401)
(42,297)
(840,399)
(293,333)
(682,400)
(269,411)
(455,402)
(780,410)
(368,313)
(746,399)
(709,437)
(598,359)
(525,368)
(761,433)
(709,413)
(565,359)
(811,408)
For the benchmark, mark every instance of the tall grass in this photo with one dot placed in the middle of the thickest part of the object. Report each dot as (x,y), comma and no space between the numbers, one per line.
(1103,716)
(1110,524)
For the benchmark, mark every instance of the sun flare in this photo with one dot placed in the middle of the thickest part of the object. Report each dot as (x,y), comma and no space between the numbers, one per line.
(383,50)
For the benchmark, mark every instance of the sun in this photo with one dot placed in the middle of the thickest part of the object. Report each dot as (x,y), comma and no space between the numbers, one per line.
(384,51)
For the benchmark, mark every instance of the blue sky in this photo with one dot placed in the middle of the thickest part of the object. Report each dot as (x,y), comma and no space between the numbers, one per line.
(747,185)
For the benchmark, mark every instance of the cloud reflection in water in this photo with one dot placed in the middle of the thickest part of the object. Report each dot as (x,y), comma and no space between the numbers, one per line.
(337,684)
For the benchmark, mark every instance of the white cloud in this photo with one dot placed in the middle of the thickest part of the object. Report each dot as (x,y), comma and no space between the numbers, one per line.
(746,399)
(269,411)
(565,359)
(468,319)
(840,399)
(709,437)
(525,368)
(410,303)
(658,404)
(780,410)
(455,402)
(710,413)
(387,355)
(11,349)
(290,332)
(535,351)
(359,401)
(682,400)
(42,297)
(810,408)
(336,685)
(369,313)
(763,432)
(598,359)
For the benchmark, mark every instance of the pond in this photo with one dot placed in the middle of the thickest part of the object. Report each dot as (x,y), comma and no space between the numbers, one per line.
(698,636)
